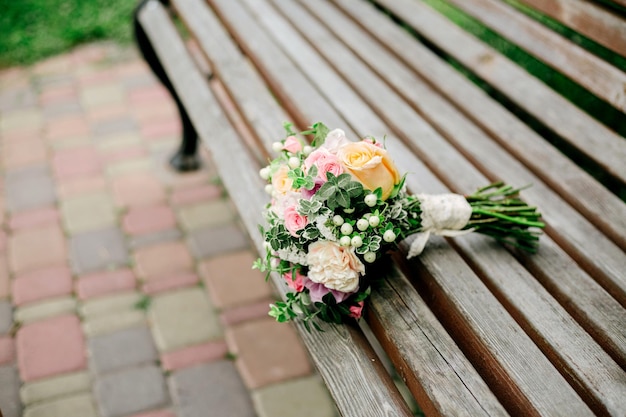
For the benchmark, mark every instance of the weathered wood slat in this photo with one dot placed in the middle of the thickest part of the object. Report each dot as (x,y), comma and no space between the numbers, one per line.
(598,204)
(596,310)
(604,80)
(587,18)
(585,133)
(342,354)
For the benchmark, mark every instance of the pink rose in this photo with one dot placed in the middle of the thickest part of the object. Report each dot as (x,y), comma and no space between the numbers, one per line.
(294,221)
(292,144)
(357,310)
(325,162)
(372,142)
(297,284)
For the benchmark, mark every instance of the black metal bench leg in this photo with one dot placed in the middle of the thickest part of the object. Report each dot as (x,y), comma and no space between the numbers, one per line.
(186,158)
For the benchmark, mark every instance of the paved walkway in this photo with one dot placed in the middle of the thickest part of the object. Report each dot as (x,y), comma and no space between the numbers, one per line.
(125,288)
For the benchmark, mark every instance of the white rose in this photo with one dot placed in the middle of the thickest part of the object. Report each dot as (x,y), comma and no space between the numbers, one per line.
(335,139)
(335,266)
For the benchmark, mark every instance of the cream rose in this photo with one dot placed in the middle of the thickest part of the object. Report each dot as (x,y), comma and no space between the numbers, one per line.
(281,182)
(370,165)
(336,267)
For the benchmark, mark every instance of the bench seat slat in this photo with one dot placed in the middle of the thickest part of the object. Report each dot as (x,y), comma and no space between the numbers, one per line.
(596,75)
(342,354)
(585,133)
(585,17)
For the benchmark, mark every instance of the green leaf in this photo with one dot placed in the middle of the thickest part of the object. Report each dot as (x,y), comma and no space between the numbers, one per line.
(320,133)
(326,191)
(342,198)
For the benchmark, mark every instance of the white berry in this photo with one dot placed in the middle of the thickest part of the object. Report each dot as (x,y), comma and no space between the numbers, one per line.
(265,173)
(370,200)
(294,162)
(362,225)
(349,210)
(277,146)
(337,220)
(356,241)
(374,221)
(307,150)
(269,189)
(346,229)
(389,236)
(369,257)
(345,241)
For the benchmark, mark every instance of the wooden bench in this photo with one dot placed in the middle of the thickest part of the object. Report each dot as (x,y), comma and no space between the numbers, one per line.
(471,327)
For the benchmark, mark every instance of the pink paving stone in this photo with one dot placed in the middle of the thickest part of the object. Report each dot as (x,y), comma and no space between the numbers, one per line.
(157,261)
(248,312)
(4,276)
(7,350)
(95,78)
(106,112)
(148,219)
(119,155)
(67,128)
(34,218)
(102,283)
(193,355)
(163,413)
(148,112)
(21,135)
(57,94)
(50,347)
(41,284)
(23,153)
(81,185)
(149,94)
(160,128)
(76,162)
(195,194)
(170,282)
(31,249)
(137,189)
(3,240)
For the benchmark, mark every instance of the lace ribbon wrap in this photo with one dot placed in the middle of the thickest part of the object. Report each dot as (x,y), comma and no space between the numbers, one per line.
(443,215)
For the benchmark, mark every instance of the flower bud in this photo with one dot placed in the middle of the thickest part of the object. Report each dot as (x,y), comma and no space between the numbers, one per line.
(356,241)
(346,229)
(294,162)
(345,241)
(370,200)
(362,225)
(369,257)
(337,220)
(374,221)
(389,236)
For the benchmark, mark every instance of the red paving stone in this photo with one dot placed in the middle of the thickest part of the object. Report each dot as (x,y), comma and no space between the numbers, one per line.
(57,94)
(41,284)
(102,283)
(193,355)
(34,218)
(170,282)
(81,185)
(50,347)
(148,219)
(195,194)
(76,162)
(137,189)
(7,350)
(67,128)
(31,249)
(248,312)
(158,129)
(225,275)
(151,94)
(23,153)
(164,259)
(154,111)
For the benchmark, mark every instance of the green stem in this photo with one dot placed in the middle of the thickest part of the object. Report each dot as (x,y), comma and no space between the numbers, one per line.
(515,220)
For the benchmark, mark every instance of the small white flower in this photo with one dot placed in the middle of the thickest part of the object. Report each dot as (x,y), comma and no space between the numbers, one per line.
(369,257)
(362,225)
(265,173)
(389,236)
(345,241)
(277,146)
(269,189)
(356,241)
(374,221)
(337,220)
(307,150)
(346,229)
(294,162)
(370,200)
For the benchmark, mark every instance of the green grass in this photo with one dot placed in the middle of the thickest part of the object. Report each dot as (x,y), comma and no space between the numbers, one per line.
(35,29)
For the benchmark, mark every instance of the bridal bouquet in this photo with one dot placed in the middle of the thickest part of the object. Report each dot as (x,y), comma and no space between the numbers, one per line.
(338,206)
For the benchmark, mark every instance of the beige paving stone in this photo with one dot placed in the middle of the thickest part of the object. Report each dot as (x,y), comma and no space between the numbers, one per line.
(110,323)
(101,95)
(129,167)
(30,118)
(109,304)
(45,309)
(78,405)
(73,142)
(118,141)
(49,388)
(88,212)
(183,318)
(210,213)
(286,399)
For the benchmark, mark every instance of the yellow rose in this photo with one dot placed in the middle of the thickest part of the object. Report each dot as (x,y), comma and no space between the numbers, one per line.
(370,165)
(281,182)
